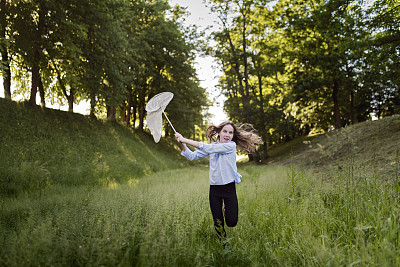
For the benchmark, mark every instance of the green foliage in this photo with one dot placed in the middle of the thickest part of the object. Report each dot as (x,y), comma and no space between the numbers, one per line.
(291,68)
(114,54)
(381,74)
(166,64)
(327,40)
(45,148)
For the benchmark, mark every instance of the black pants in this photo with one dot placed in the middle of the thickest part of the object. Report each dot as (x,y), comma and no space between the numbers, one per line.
(219,195)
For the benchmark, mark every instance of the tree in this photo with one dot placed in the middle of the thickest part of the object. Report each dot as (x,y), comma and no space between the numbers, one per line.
(5,42)
(116,53)
(250,51)
(232,51)
(381,76)
(162,61)
(33,26)
(326,37)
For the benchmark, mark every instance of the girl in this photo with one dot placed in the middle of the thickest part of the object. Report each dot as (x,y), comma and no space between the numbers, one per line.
(223,170)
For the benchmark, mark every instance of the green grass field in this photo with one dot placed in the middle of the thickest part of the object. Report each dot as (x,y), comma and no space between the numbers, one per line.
(328,202)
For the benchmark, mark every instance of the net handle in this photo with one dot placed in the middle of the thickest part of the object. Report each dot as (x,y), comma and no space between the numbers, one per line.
(169,121)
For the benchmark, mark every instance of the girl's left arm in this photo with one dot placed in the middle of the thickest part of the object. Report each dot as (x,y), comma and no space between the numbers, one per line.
(208,148)
(221,148)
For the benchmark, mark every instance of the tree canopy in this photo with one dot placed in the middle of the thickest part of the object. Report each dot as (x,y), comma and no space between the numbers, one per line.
(290,68)
(295,67)
(116,54)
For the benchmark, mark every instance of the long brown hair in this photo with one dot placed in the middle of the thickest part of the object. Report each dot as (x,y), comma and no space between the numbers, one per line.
(243,135)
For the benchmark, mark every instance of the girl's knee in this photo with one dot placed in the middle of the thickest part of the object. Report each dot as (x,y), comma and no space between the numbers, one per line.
(231,223)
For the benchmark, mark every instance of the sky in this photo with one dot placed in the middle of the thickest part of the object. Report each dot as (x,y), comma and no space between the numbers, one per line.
(207,69)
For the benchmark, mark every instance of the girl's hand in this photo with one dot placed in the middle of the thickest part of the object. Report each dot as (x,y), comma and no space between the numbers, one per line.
(185,141)
(179,137)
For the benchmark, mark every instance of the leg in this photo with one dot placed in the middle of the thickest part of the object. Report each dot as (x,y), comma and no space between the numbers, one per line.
(216,210)
(231,207)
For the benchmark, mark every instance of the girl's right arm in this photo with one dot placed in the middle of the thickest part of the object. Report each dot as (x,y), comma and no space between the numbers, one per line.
(191,155)
(222,148)
(184,141)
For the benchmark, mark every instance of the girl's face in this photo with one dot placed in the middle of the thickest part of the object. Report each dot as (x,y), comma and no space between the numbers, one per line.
(226,134)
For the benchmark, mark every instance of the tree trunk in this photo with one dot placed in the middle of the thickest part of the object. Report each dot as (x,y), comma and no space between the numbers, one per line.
(111,111)
(6,71)
(92,105)
(123,111)
(352,115)
(265,146)
(36,56)
(141,111)
(236,64)
(134,113)
(35,82)
(262,116)
(70,98)
(41,92)
(336,110)
(129,107)
(246,97)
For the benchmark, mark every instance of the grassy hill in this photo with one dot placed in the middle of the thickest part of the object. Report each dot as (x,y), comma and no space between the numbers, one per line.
(41,148)
(371,145)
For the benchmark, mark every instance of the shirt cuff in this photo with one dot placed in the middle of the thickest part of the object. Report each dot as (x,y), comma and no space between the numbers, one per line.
(201,145)
(237,178)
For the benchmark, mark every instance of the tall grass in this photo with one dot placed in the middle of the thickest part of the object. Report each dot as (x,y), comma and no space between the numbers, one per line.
(153,220)
(164,220)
